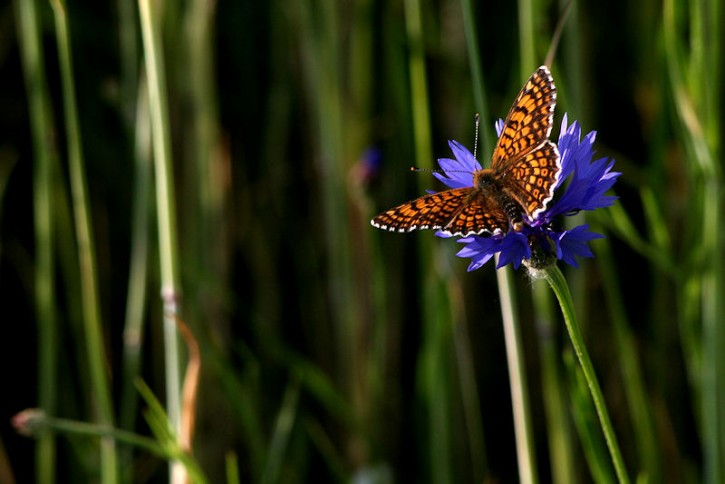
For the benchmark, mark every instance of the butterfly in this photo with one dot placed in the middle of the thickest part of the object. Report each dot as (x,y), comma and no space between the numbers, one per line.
(525,169)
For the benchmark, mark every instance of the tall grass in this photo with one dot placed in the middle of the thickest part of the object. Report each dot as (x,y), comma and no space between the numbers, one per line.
(229,156)
(41,127)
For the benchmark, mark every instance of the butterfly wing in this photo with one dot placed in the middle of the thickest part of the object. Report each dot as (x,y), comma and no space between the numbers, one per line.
(531,179)
(431,211)
(528,123)
(480,215)
(461,211)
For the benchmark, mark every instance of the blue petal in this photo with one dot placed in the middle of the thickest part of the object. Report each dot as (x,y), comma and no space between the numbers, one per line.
(479,250)
(573,243)
(499,126)
(514,249)
(588,180)
(464,157)
(458,173)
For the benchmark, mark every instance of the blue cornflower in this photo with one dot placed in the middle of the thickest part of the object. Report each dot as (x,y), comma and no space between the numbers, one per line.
(589,181)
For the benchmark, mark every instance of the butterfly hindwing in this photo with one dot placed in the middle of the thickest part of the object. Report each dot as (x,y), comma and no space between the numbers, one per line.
(531,179)
(481,215)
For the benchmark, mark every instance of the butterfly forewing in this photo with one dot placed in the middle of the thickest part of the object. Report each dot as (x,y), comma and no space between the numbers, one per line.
(431,211)
(529,121)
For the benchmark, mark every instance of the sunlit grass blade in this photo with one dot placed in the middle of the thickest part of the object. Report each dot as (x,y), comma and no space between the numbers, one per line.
(165,209)
(528,472)
(232,468)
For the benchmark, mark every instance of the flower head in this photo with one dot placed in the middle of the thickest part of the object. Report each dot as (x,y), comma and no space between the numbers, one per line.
(540,238)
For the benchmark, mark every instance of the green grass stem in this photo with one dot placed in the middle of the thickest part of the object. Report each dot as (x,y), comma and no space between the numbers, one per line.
(279,442)
(693,73)
(432,369)
(165,210)
(136,301)
(526,453)
(470,399)
(477,78)
(232,468)
(321,35)
(706,67)
(90,303)
(41,423)
(584,416)
(528,472)
(134,108)
(41,128)
(470,395)
(527,39)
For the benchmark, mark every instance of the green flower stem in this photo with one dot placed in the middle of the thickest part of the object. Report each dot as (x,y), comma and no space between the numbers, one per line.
(86,250)
(557,282)
(634,387)
(517,378)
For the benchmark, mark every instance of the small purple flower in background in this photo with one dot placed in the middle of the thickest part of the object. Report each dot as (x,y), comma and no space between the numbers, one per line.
(589,181)
(367,168)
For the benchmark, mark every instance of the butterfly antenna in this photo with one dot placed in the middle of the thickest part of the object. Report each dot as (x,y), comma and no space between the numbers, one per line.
(427,170)
(475,149)
(475,136)
(436,170)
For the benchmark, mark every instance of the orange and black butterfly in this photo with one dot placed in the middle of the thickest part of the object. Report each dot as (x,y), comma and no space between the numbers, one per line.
(524,171)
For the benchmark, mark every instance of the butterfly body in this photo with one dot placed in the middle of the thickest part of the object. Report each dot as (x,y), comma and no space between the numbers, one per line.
(525,168)
(488,184)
